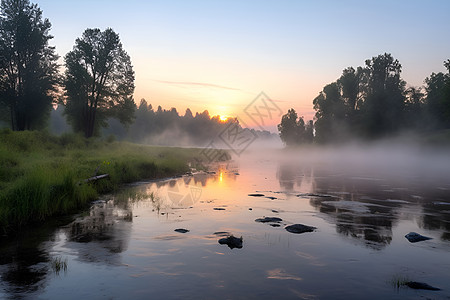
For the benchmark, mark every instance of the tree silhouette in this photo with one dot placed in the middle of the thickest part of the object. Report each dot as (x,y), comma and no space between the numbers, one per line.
(446,95)
(370,101)
(384,103)
(415,112)
(99,82)
(28,68)
(293,130)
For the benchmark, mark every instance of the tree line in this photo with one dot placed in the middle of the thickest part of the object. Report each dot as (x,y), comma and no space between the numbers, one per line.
(98,82)
(372,102)
(166,127)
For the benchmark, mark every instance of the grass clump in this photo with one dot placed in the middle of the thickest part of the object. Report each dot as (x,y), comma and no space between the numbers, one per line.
(43,175)
(399,281)
(58,264)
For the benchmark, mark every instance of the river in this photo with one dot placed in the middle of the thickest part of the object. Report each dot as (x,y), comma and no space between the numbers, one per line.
(126,247)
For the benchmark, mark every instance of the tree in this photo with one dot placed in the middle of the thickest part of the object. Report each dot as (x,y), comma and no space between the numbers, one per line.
(293,130)
(330,113)
(446,95)
(143,105)
(349,86)
(28,68)
(414,109)
(384,102)
(188,114)
(99,82)
(369,101)
(437,88)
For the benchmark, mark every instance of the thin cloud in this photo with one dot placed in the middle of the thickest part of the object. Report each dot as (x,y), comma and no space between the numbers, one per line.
(279,101)
(203,84)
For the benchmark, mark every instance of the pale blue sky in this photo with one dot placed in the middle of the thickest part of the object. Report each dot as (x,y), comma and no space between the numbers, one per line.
(288,49)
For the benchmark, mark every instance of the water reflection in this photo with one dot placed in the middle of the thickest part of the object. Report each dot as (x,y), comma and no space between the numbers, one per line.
(24,268)
(106,225)
(367,207)
(128,245)
(25,261)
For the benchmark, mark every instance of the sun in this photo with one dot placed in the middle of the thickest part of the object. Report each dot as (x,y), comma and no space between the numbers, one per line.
(223,118)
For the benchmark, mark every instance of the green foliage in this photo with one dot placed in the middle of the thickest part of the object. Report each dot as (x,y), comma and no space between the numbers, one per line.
(437,88)
(28,68)
(373,101)
(369,102)
(43,175)
(99,82)
(383,105)
(293,130)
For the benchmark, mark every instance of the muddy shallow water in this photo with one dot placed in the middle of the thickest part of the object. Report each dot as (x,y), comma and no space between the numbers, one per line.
(126,246)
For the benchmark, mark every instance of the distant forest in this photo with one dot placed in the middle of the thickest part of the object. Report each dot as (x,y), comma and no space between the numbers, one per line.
(163,127)
(373,102)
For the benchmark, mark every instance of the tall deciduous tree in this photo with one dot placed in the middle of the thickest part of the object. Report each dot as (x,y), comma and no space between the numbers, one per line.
(28,68)
(293,130)
(99,82)
(384,103)
(369,101)
(437,88)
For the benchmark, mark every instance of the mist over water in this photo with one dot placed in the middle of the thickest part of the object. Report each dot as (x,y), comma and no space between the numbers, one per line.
(396,160)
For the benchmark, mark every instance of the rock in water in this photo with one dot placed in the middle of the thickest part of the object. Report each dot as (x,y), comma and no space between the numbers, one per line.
(256,195)
(232,242)
(181,230)
(414,237)
(421,286)
(299,228)
(269,220)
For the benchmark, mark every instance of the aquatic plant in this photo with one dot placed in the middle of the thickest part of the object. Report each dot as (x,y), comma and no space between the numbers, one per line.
(58,264)
(399,281)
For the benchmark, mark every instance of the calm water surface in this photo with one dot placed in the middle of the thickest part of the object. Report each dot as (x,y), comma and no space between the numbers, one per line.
(125,247)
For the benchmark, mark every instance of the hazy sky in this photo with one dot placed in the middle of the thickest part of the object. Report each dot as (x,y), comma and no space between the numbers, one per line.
(219,55)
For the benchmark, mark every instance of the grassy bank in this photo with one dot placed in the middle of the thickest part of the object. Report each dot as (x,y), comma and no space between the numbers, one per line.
(43,175)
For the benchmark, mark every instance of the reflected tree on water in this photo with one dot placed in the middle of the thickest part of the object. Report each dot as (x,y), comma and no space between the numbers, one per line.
(107,229)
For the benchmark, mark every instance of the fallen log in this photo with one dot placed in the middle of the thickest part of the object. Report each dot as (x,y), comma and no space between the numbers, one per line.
(95,178)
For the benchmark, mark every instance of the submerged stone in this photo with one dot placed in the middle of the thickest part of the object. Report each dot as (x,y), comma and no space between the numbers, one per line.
(181,230)
(232,242)
(414,237)
(219,208)
(256,195)
(421,286)
(269,220)
(271,198)
(299,228)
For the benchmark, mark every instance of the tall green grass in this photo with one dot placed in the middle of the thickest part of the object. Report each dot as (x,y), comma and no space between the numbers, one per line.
(43,175)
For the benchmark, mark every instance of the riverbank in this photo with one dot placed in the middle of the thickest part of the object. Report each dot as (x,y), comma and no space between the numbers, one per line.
(43,175)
